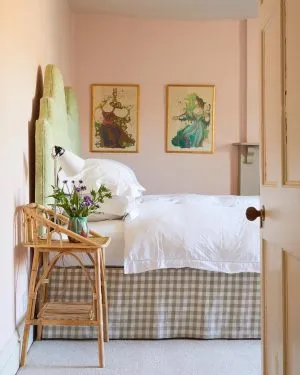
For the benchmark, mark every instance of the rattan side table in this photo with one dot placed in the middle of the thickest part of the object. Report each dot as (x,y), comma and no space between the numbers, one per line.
(39,224)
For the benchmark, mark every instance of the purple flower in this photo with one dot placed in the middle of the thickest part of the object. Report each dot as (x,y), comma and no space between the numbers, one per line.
(87,201)
(77,189)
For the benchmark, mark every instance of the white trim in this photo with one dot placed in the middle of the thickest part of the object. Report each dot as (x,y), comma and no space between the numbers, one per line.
(10,354)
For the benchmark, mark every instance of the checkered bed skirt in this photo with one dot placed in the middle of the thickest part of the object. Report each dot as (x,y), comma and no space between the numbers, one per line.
(167,303)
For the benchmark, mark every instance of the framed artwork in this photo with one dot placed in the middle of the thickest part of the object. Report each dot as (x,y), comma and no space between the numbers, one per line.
(114,118)
(190,118)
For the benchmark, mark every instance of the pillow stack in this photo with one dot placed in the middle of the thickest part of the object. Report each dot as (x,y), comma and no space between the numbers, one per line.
(119,179)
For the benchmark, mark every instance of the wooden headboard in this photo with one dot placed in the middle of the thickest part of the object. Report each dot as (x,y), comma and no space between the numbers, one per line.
(58,124)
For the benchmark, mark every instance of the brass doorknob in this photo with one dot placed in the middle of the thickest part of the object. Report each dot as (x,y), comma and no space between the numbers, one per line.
(252,214)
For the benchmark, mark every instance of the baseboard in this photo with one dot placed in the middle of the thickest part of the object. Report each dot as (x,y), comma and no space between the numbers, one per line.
(10,354)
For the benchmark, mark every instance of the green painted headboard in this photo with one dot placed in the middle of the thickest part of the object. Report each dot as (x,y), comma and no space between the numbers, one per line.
(58,124)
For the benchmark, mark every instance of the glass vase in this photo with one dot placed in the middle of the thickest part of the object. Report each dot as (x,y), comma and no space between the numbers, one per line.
(78,225)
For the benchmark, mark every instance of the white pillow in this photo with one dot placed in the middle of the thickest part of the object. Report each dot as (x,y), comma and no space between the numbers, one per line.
(117,177)
(116,208)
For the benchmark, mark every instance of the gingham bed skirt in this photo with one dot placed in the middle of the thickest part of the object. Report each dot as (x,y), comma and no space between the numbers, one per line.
(167,303)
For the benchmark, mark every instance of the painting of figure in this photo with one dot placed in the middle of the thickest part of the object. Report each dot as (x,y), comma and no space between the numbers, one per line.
(114,120)
(190,118)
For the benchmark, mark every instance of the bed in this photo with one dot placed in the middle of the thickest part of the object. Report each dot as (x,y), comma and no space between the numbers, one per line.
(146,302)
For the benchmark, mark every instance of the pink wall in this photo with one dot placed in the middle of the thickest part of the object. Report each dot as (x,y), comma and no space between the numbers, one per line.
(154,53)
(33,33)
(253,80)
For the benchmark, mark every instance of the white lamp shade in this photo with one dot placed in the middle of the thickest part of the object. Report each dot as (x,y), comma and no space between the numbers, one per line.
(70,163)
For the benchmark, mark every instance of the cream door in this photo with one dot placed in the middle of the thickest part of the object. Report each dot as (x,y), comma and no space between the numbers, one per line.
(280,185)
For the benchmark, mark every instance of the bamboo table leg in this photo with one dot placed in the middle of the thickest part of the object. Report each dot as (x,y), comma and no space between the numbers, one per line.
(99,311)
(30,305)
(104,296)
(43,295)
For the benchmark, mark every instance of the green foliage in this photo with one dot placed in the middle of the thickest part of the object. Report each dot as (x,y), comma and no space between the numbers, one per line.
(103,102)
(190,103)
(76,203)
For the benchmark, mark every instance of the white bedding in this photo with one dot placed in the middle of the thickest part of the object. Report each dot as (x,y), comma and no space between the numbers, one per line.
(197,231)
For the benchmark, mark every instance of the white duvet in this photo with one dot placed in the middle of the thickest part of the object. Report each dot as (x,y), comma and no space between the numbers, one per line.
(197,231)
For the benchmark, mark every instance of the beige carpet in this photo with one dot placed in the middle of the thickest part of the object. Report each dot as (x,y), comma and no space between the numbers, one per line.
(162,357)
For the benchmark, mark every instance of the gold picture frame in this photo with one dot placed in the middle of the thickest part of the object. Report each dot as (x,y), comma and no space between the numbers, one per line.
(190,119)
(114,118)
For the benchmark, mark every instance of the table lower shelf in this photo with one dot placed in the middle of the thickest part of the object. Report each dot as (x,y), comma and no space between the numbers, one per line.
(66,311)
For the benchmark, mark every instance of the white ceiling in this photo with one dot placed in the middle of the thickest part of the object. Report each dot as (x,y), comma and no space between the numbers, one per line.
(170,9)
